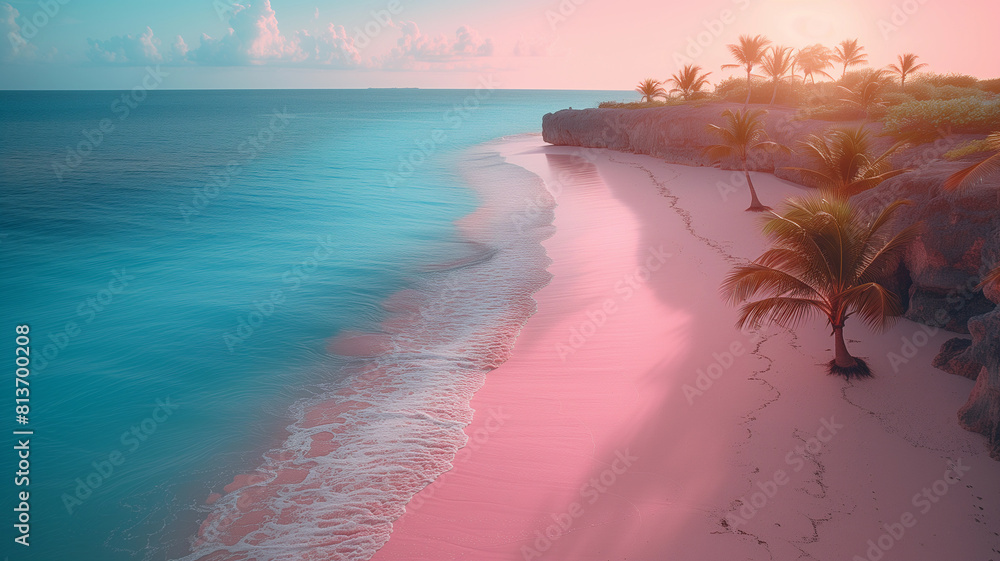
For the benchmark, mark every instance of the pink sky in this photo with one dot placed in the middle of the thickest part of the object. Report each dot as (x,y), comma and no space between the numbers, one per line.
(558,44)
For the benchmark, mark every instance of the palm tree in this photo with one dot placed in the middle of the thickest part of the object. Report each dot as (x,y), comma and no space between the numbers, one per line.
(842,164)
(742,134)
(776,64)
(650,89)
(814,59)
(907,65)
(825,258)
(689,81)
(979,171)
(849,53)
(749,53)
(867,93)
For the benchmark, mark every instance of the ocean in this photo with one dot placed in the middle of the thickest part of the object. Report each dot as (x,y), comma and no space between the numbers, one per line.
(286,298)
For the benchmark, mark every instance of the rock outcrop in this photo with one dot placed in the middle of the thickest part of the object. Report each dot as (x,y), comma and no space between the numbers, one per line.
(946,263)
(679,134)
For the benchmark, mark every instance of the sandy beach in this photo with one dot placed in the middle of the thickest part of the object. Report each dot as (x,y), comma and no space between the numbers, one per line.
(633,421)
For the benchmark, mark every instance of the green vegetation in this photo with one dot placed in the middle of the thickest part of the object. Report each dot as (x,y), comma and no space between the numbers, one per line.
(918,106)
(670,101)
(826,258)
(921,120)
(979,171)
(968,149)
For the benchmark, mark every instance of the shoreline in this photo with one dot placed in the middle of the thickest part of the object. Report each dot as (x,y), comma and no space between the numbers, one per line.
(359,448)
(632,427)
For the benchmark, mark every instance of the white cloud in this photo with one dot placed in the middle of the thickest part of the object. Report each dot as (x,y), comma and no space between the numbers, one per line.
(332,47)
(538,46)
(14,45)
(126,49)
(414,48)
(179,49)
(254,38)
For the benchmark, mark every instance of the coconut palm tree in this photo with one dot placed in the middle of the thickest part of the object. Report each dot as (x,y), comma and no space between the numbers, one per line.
(907,65)
(749,53)
(650,89)
(742,134)
(843,165)
(812,60)
(979,171)
(849,53)
(867,93)
(688,81)
(776,65)
(828,258)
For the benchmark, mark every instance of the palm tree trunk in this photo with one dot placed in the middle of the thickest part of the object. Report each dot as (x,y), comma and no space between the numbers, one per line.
(902,83)
(747,102)
(755,204)
(842,357)
(775,94)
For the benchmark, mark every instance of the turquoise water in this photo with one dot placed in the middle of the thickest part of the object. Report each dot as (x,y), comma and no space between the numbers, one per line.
(183,270)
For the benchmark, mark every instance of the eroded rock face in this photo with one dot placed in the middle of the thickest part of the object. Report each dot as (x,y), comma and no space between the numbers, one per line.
(954,359)
(982,412)
(946,263)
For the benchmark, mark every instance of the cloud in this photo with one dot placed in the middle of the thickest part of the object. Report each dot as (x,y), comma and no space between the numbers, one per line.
(14,45)
(333,47)
(416,50)
(179,49)
(253,38)
(126,49)
(538,46)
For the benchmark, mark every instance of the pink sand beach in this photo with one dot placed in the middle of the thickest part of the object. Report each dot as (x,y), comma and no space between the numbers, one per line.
(634,422)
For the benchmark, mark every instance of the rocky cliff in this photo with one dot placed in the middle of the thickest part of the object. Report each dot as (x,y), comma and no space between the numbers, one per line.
(939,273)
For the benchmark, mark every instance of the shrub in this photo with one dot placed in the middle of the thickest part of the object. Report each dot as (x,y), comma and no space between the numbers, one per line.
(895,98)
(958,80)
(924,91)
(640,104)
(923,119)
(836,111)
(967,149)
(734,89)
(991,86)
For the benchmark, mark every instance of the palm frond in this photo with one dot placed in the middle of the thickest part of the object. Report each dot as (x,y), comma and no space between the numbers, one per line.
(974,173)
(874,304)
(781,310)
(991,278)
(747,281)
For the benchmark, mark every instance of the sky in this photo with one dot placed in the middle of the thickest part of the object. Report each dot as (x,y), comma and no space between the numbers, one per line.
(526,44)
